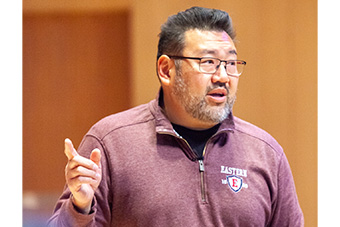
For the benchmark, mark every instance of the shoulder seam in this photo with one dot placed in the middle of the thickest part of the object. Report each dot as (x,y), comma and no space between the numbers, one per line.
(119,127)
(266,142)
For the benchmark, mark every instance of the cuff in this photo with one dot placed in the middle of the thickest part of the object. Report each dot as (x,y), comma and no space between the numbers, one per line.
(72,217)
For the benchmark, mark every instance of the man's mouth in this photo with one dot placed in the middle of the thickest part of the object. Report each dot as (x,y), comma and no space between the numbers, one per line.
(218,92)
(217,95)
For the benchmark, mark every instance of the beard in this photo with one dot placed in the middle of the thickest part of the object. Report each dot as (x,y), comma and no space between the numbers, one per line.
(197,106)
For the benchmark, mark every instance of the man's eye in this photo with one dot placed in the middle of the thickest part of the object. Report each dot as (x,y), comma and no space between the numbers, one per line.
(232,63)
(208,61)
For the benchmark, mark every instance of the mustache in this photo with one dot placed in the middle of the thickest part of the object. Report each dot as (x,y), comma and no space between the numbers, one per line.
(217,85)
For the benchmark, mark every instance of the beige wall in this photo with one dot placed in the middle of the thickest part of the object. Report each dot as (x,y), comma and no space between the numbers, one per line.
(278,90)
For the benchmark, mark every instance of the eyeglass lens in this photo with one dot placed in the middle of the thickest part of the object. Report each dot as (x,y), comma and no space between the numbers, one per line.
(210,65)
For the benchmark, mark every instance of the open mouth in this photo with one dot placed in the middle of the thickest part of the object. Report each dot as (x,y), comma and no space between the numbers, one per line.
(217,95)
(219,92)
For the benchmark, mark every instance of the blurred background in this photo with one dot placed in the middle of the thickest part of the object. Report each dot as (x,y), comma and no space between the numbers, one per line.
(85,59)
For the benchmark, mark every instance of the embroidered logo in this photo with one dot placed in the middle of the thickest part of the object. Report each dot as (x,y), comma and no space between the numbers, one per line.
(234,178)
(234,182)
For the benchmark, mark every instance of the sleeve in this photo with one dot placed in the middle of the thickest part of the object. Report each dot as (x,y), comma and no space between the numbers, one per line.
(65,213)
(286,210)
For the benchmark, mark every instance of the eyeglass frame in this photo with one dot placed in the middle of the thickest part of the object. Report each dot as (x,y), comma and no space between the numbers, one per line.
(200,59)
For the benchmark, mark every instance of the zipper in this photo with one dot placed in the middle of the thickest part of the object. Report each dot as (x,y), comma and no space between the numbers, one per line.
(201,168)
(193,158)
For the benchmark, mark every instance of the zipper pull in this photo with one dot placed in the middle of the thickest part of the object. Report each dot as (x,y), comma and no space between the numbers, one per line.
(200,161)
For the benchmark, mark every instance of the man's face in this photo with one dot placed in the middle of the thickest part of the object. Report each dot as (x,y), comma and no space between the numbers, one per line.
(206,97)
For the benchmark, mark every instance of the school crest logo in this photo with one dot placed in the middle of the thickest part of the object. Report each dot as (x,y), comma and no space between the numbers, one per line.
(234,178)
(235,183)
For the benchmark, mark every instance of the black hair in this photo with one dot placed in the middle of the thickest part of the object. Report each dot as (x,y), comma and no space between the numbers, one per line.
(171,37)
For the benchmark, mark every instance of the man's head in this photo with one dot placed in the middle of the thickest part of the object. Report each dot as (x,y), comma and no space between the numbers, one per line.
(194,96)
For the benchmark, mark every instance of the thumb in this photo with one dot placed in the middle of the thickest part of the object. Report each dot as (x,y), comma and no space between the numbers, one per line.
(70,152)
(96,156)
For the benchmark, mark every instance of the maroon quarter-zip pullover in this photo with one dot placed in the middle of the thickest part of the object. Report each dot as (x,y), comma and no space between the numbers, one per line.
(151,176)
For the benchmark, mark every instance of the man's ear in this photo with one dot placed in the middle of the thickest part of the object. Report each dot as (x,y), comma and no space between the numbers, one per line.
(164,65)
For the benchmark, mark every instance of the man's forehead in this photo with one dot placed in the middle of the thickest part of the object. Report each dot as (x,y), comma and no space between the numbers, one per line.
(209,42)
(208,35)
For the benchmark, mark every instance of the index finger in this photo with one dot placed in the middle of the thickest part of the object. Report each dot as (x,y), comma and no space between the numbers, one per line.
(70,152)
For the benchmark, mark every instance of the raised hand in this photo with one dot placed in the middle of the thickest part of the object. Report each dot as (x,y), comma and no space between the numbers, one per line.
(82,175)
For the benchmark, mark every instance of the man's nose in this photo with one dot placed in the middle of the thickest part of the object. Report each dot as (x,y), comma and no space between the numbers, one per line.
(221,74)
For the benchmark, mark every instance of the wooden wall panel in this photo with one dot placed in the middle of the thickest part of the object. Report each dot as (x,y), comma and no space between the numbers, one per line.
(76,70)
(36,6)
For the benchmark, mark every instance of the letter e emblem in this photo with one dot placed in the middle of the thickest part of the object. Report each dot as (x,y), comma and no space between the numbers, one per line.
(235,183)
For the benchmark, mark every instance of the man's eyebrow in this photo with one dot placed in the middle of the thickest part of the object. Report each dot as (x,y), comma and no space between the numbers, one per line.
(205,51)
(233,51)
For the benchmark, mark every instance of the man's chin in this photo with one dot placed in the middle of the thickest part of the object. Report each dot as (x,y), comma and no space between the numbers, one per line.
(213,114)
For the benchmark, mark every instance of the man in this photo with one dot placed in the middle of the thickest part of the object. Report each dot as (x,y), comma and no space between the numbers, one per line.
(182,159)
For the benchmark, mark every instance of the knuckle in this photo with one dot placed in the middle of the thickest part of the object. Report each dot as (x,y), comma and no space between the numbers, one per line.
(81,180)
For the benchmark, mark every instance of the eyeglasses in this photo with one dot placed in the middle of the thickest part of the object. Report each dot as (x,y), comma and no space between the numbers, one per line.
(211,65)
